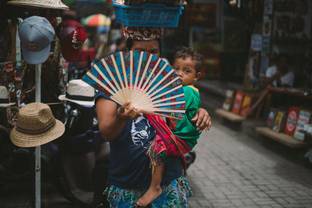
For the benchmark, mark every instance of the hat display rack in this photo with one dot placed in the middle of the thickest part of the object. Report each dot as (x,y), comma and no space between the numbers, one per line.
(169,15)
(27,45)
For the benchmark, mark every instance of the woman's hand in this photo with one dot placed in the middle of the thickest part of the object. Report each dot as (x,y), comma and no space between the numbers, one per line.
(127,111)
(202,120)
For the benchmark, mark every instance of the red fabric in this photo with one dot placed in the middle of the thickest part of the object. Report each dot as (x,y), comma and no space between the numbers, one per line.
(72,35)
(165,141)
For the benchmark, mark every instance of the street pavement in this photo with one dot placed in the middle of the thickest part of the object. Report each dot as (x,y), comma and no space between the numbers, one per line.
(234,170)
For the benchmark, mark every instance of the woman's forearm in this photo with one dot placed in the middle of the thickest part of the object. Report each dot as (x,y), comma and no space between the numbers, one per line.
(110,131)
(110,124)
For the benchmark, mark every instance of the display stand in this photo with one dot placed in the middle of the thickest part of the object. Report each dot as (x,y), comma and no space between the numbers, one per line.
(38,149)
(230,116)
(280,137)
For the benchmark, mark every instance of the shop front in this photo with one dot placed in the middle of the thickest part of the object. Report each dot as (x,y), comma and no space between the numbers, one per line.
(277,78)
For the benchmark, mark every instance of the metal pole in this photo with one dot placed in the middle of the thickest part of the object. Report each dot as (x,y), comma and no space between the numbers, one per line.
(191,41)
(38,149)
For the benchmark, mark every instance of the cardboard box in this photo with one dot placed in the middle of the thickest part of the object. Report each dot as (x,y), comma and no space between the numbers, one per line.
(238,102)
(279,121)
(228,100)
(246,104)
(271,117)
(303,120)
(292,118)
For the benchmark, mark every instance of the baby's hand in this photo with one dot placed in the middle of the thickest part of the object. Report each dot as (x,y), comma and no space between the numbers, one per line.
(128,111)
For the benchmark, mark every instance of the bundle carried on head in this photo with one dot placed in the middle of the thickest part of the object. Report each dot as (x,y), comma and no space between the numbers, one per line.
(149,13)
(167,2)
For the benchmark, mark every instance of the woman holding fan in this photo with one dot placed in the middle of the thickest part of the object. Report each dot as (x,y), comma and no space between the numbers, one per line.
(130,136)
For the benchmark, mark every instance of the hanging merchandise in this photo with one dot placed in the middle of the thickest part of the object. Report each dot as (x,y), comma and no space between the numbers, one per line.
(36,34)
(36,126)
(145,80)
(72,36)
(4,97)
(18,55)
(46,4)
(79,92)
(4,40)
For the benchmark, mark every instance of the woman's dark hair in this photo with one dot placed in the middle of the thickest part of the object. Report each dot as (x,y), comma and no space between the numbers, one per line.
(119,41)
(129,43)
(185,52)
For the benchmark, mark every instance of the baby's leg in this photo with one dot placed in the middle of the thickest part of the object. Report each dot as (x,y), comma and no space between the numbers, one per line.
(154,189)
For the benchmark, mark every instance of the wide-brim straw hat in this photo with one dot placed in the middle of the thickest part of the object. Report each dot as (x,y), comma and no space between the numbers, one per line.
(36,126)
(49,4)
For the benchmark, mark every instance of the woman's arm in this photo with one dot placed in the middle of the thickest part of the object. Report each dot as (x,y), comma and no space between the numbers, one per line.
(110,124)
(112,119)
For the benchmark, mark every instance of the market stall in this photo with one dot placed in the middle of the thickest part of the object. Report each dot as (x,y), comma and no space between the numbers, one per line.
(33,67)
(277,86)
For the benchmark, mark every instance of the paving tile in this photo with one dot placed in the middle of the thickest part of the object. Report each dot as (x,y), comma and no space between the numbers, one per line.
(247,174)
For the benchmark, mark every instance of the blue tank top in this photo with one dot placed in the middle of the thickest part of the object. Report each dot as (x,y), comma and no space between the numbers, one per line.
(129,166)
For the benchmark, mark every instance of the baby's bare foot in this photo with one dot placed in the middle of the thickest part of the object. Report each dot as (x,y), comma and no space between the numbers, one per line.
(150,195)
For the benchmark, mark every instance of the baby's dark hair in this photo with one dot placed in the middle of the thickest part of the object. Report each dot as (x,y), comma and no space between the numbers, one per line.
(185,52)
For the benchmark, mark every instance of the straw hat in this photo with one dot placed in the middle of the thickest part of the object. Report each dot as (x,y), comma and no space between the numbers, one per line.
(79,92)
(49,4)
(4,97)
(36,126)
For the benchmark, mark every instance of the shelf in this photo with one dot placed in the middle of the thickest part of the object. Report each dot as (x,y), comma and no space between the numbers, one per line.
(280,137)
(229,115)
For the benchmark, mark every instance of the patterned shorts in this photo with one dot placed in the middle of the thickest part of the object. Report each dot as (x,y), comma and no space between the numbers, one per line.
(175,195)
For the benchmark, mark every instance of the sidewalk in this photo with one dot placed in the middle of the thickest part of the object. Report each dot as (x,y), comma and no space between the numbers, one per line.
(240,169)
(235,170)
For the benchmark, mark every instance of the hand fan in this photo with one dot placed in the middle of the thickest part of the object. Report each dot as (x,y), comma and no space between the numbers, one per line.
(148,82)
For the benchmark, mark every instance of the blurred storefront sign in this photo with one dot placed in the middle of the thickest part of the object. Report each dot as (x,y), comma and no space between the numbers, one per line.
(267,26)
(205,33)
(292,21)
(256,42)
(86,8)
(268,7)
(202,14)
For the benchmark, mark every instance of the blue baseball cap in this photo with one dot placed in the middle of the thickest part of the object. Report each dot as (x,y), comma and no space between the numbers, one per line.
(36,34)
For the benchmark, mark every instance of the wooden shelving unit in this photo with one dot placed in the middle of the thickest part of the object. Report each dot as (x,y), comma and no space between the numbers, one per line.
(230,116)
(280,137)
